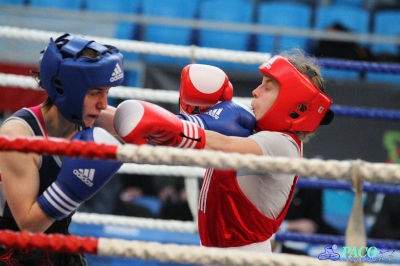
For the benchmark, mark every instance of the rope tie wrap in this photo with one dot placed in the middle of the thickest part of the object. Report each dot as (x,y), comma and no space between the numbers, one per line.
(355,231)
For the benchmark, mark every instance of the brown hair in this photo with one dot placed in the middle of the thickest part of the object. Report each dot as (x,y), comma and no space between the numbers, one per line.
(305,64)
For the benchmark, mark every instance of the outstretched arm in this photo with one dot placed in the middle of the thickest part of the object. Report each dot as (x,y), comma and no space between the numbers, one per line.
(218,142)
(138,122)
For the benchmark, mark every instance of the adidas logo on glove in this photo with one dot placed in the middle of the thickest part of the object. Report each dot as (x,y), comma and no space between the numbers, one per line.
(214,113)
(86,175)
(117,74)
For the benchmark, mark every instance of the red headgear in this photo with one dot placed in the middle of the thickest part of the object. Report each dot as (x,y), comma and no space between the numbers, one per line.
(300,105)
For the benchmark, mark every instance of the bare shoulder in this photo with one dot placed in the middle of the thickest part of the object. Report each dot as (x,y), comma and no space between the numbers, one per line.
(15,127)
(12,163)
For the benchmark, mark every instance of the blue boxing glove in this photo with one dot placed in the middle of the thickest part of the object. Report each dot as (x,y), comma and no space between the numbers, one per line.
(79,178)
(227,117)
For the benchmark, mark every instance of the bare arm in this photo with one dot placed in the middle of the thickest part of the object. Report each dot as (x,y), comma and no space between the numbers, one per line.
(20,178)
(219,142)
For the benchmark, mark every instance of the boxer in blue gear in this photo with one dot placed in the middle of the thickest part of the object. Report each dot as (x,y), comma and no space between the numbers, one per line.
(77,73)
(79,178)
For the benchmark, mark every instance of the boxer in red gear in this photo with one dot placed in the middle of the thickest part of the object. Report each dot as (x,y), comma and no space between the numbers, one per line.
(240,209)
(243,210)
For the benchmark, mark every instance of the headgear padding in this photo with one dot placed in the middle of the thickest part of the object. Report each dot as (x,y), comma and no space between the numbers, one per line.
(300,105)
(67,75)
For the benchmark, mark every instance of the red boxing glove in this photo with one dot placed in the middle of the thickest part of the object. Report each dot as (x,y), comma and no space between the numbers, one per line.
(137,122)
(201,87)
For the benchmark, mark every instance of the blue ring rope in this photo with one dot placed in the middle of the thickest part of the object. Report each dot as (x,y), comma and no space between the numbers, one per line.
(331,239)
(344,185)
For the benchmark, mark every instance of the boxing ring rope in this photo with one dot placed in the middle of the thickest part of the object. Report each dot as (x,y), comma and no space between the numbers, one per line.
(194,52)
(153,250)
(167,96)
(361,66)
(358,171)
(147,154)
(189,227)
(279,237)
(355,171)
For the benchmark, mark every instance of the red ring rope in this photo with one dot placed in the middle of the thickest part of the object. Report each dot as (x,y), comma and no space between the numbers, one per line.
(52,242)
(74,148)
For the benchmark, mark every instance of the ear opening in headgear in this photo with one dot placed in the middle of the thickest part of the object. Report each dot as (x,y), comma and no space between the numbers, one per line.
(58,86)
(295,114)
(59,91)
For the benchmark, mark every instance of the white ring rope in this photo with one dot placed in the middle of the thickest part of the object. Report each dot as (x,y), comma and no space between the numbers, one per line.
(135,222)
(146,154)
(165,170)
(120,92)
(374,172)
(192,52)
(184,253)
(199,255)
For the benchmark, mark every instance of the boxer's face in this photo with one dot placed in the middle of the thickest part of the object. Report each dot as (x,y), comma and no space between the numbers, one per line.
(264,96)
(95,102)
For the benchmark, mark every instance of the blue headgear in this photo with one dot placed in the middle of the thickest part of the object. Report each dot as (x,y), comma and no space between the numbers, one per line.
(67,75)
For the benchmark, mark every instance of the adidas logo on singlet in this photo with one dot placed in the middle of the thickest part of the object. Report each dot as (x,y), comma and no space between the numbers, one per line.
(214,113)
(86,175)
(117,74)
